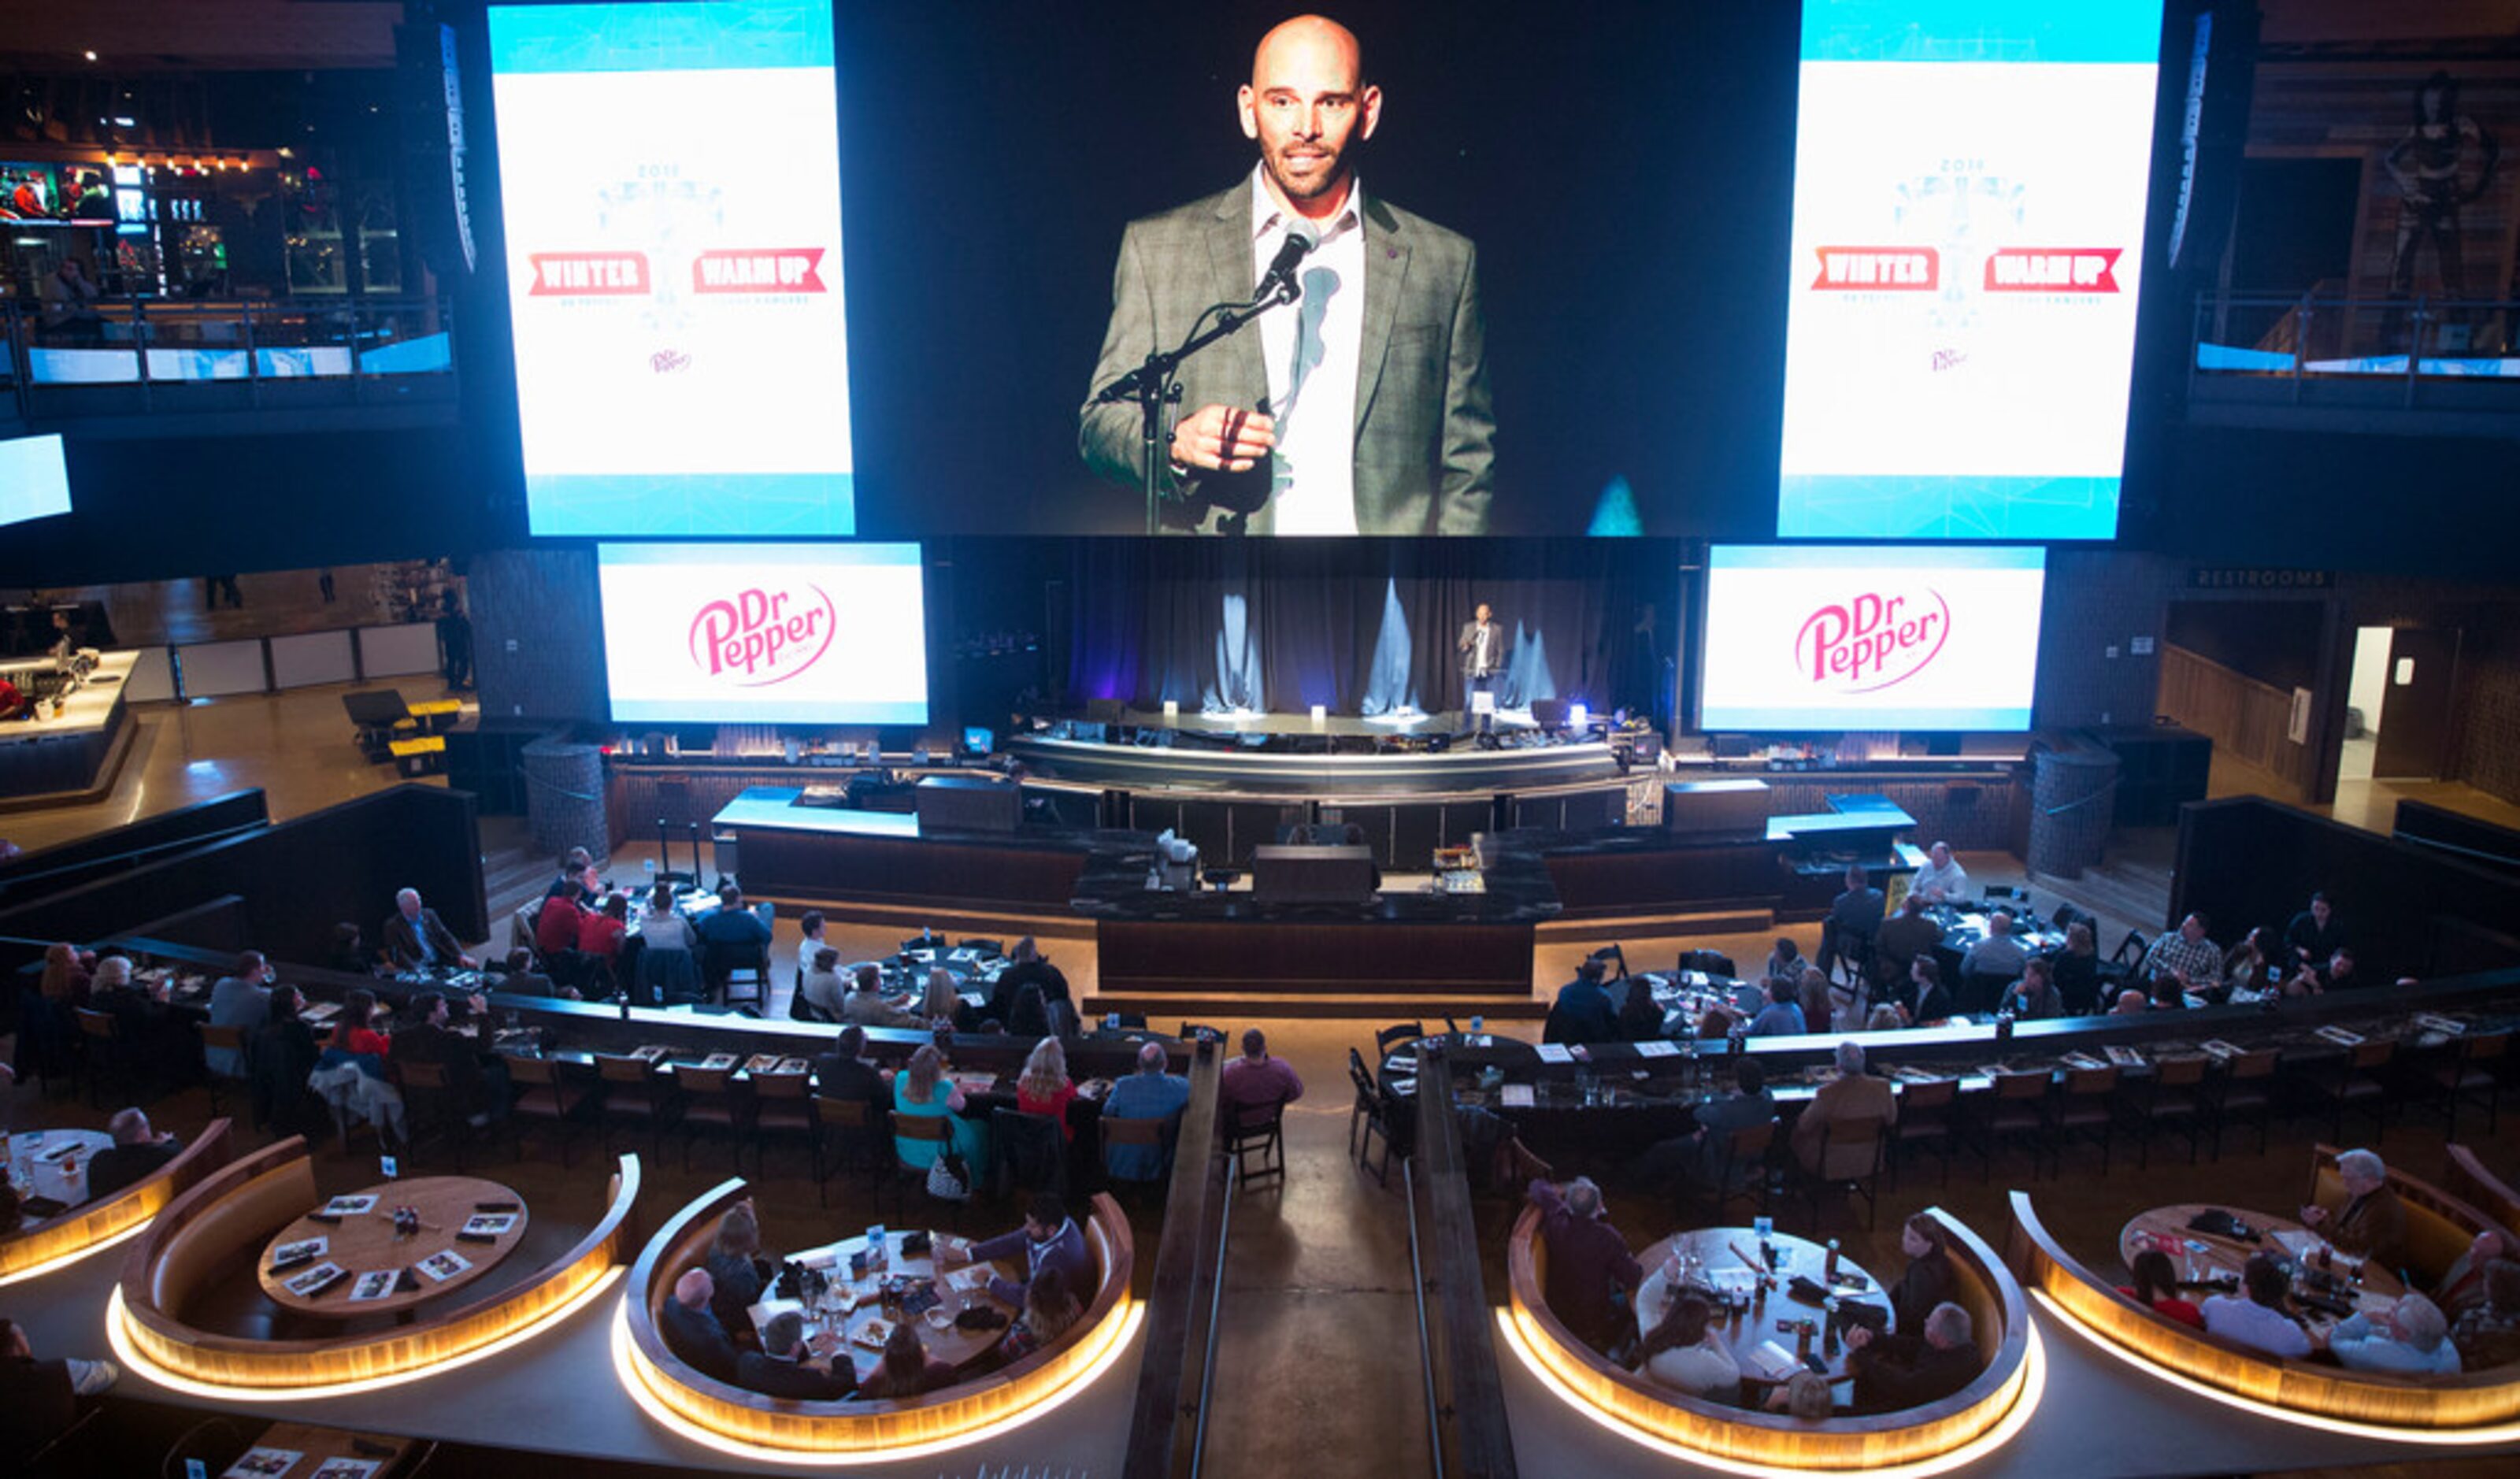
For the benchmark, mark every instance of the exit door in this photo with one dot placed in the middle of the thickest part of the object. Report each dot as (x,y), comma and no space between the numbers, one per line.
(2415,709)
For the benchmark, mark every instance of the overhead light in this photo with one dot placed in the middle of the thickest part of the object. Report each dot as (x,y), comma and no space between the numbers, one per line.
(91,55)
(286,153)
(122,121)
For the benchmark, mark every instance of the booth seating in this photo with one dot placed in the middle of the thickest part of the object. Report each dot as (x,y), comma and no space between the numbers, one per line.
(1998,1317)
(225,1219)
(75,1230)
(2439,1227)
(858,1426)
(2478,1187)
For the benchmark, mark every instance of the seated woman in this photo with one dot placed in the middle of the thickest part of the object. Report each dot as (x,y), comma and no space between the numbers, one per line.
(1044,1087)
(1715,1026)
(1806,1396)
(1640,1015)
(907,1370)
(1928,1279)
(923,1092)
(735,1263)
(1049,1310)
(278,1057)
(2156,1285)
(355,1030)
(943,1005)
(2256,962)
(1678,1353)
(2075,971)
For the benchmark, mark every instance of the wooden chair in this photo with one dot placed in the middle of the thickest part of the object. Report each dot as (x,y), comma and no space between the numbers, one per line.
(907,1178)
(101,1052)
(432,1106)
(740,972)
(2088,1106)
(1742,1168)
(634,1091)
(1139,1134)
(1927,1110)
(712,1103)
(2245,1088)
(232,1038)
(782,1107)
(857,1138)
(2173,1100)
(550,1092)
(2356,1080)
(2469,1073)
(2015,1109)
(1850,1160)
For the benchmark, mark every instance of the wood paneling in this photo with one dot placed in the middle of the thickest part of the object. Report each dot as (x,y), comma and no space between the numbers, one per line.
(2241,715)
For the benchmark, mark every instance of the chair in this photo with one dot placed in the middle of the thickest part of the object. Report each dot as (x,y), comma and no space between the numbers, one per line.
(232,1039)
(1926,1108)
(783,1106)
(1370,1110)
(2015,1109)
(2170,1101)
(803,1010)
(739,971)
(1612,954)
(1031,1153)
(1850,954)
(550,1091)
(2354,1080)
(1142,1133)
(432,1106)
(634,1090)
(2126,957)
(1742,1168)
(664,977)
(907,1178)
(2088,1106)
(857,1135)
(1191,1032)
(2470,1068)
(1850,1160)
(1980,991)
(2246,1088)
(1266,1139)
(713,1102)
(1397,1032)
(1710,962)
(102,1051)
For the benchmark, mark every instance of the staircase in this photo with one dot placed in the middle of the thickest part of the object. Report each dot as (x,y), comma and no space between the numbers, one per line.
(2129,889)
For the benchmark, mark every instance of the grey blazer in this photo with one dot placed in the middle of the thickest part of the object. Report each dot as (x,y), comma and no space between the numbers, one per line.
(1424,431)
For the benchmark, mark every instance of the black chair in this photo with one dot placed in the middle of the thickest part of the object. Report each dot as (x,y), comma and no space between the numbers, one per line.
(1711,961)
(550,1091)
(1609,955)
(2086,1106)
(1031,1151)
(1397,1032)
(2016,1110)
(1927,1109)
(1262,1139)
(739,971)
(104,1051)
(2245,1089)
(1741,1169)
(635,1092)
(714,1103)
(854,1134)
(2469,1072)
(2357,1079)
(1191,1032)
(432,1108)
(1372,1112)
(1850,1160)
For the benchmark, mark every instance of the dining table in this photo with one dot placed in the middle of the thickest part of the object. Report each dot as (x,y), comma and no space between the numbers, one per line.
(466,1225)
(1752,1299)
(858,1302)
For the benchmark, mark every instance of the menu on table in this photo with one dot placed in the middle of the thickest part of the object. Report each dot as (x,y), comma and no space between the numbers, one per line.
(289,1255)
(442,1266)
(487,1225)
(347,1468)
(263,1463)
(350,1206)
(375,1284)
(316,1279)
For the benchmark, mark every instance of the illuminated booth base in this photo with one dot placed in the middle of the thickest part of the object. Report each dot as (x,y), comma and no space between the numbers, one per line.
(1931,1439)
(202,1235)
(746,1424)
(93,1226)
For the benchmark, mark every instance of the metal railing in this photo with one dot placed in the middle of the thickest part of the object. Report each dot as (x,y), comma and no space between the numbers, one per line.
(2315,335)
(146,345)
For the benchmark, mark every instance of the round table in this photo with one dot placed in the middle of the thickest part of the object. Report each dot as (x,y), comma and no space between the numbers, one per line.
(951,1343)
(2200,1256)
(54,1162)
(1758,1324)
(364,1242)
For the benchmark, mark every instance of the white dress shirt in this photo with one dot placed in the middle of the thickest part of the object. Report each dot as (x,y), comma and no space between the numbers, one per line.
(1311,349)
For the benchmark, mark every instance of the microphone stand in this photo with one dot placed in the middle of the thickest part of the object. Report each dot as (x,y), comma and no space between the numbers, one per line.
(1154,387)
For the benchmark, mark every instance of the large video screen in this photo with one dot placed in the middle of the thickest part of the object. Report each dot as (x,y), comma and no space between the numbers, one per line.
(1969,190)
(34,478)
(670,179)
(801,633)
(1832,637)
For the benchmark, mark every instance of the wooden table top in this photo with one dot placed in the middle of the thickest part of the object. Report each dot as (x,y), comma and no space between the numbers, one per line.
(950,1344)
(321,1453)
(66,1183)
(2219,1256)
(365,1242)
(1757,1325)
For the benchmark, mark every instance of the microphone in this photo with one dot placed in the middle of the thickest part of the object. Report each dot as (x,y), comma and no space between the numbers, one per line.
(1301,237)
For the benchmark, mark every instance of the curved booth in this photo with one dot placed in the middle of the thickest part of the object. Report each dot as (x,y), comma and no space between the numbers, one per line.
(2469,1182)
(731,1416)
(2437,1225)
(227,1217)
(39,1247)
(1977,1419)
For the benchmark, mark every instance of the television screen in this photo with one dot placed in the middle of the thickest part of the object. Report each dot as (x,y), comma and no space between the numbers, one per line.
(764,634)
(34,480)
(674,286)
(1969,192)
(1819,637)
(54,195)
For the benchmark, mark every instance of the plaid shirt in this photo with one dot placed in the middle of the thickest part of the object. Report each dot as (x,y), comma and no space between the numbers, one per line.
(2173,953)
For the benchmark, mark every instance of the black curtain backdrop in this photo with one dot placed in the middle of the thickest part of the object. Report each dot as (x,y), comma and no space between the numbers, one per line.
(1357,625)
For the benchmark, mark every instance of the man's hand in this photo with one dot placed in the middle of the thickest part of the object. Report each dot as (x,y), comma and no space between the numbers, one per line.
(2311,1217)
(1858,1337)
(951,1254)
(1223,438)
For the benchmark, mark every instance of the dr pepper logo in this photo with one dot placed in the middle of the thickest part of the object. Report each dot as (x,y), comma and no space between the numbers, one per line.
(1874,639)
(756,638)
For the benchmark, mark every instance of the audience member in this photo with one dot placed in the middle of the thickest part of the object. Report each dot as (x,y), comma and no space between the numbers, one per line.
(2488,1334)
(241,1000)
(942,1006)
(64,980)
(820,985)
(923,1092)
(1256,1086)
(1805,1396)
(1044,1087)
(1780,1017)
(1997,952)
(1907,1370)
(2157,1286)
(2132,1003)
(1682,1353)
(1700,1157)
(1785,962)
(1942,880)
(734,926)
(1049,1310)
(1905,935)
(1590,1266)
(2169,994)
(1048,1240)
(2371,1222)
(2462,1284)
(558,924)
(1818,1006)
(1854,920)
(782,1366)
(2034,997)
(39,1399)
(1582,1013)
(278,1057)
(1715,1024)
(662,926)
(2075,970)
(1153,1093)
(2187,956)
(1033,1015)
(478,1080)
(2255,963)
(847,1075)
(414,936)
(2256,1316)
(601,932)
(2337,975)
(1931,999)
(578,880)
(1928,1280)
(2314,934)
(691,1330)
(907,1370)
(1027,967)
(1852,1097)
(867,1006)
(355,1029)
(136,1151)
(2411,1338)
(736,1268)
(1641,1016)
(1884,1019)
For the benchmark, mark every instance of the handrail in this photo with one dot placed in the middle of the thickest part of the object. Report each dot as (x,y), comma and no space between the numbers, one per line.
(1474,1418)
(1215,1320)
(1182,1258)
(2318,334)
(1417,1288)
(258,341)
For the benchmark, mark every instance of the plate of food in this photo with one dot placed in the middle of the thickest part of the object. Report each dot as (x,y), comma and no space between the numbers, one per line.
(873,1334)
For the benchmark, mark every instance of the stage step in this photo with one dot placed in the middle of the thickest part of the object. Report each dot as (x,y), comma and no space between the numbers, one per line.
(957,922)
(1623,929)
(1227,1009)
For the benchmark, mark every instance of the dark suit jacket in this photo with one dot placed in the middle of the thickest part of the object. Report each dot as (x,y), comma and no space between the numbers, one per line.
(402,940)
(1896,1372)
(1467,646)
(695,1336)
(118,1166)
(1424,430)
(423,1043)
(773,1377)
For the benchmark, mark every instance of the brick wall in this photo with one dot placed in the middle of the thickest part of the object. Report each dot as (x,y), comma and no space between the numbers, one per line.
(2099,601)
(539,601)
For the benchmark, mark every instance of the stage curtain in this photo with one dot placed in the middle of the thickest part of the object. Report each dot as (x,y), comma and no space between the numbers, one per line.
(1361,626)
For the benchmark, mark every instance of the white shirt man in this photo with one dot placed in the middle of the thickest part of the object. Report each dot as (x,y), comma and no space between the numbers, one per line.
(1942,880)
(1311,349)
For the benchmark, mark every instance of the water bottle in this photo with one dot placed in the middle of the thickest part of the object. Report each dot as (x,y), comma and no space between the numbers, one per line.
(1478,1026)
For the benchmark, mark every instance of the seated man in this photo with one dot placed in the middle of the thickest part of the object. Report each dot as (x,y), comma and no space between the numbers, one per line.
(1048,1240)
(1700,1156)
(2488,1332)
(846,1073)
(2257,1318)
(1998,954)
(2034,997)
(478,1080)
(1853,919)
(1910,933)
(415,935)
(2185,955)
(241,1000)
(1583,1012)
(691,1328)
(2131,1002)
(1896,1372)
(1149,1093)
(2413,1338)
(2371,1224)
(1590,1267)
(1782,1017)
(783,1368)
(1940,880)
(1255,1086)
(558,924)
(1853,1095)
(136,1151)
(39,1399)
(731,935)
